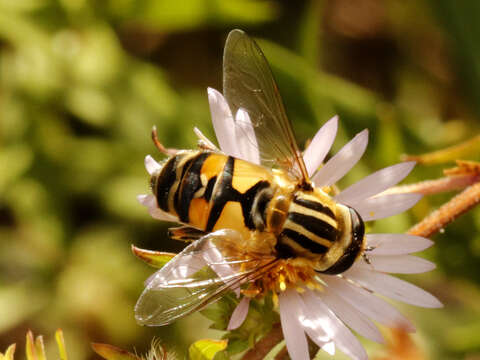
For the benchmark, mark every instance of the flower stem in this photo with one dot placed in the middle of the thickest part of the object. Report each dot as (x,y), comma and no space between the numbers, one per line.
(269,341)
(263,347)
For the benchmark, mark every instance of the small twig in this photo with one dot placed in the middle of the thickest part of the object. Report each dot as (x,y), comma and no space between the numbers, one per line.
(269,341)
(464,174)
(282,354)
(448,212)
(263,347)
(430,187)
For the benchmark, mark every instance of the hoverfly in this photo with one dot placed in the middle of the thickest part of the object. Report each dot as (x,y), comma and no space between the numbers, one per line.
(256,226)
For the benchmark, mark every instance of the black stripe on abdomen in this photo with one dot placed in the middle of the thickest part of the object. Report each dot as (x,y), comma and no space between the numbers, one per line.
(207,195)
(304,241)
(224,192)
(190,183)
(165,181)
(314,225)
(314,205)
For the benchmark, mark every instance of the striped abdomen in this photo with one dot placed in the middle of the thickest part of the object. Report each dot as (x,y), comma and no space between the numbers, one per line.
(311,226)
(211,191)
(319,229)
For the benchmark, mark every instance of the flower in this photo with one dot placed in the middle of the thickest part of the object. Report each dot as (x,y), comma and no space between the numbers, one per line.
(339,303)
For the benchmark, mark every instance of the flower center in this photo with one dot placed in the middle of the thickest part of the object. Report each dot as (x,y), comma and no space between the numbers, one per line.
(295,273)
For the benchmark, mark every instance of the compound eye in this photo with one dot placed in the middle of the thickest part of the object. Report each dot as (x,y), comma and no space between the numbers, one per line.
(358,226)
(153,183)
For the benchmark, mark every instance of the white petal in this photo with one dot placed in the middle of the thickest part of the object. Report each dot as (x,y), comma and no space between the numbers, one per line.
(320,145)
(247,146)
(398,264)
(222,121)
(383,206)
(393,288)
(329,348)
(375,183)
(158,214)
(203,138)
(291,315)
(317,313)
(151,203)
(314,325)
(368,304)
(396,244)
(239,314)
(147,200)
(151,165)
(343,161)
(353,318)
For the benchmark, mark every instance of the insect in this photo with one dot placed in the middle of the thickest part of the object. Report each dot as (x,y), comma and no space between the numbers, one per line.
(259,227)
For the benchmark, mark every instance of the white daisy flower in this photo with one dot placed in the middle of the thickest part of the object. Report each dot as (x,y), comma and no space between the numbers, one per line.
(328,313)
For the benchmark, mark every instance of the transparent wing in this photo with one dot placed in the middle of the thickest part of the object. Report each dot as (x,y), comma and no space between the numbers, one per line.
(199,275)
(248,84)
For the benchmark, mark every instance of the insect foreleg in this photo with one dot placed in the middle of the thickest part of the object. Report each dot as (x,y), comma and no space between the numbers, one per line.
(159,145)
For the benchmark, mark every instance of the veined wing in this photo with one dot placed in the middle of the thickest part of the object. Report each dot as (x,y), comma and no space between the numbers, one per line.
(248,84)
(197,276)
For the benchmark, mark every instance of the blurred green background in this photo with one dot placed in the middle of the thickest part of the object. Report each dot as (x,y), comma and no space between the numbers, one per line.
(83,81)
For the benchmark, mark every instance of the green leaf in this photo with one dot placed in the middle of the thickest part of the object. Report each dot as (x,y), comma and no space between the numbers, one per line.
(21,5)
(111,352)
(261,316)
(156,259)
(14,162)
(221,311)
(260,319)
(206,349)
(166,15)
(236,346)
(310,32)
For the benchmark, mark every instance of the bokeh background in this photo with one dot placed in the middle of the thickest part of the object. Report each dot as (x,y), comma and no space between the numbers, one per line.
(83,81)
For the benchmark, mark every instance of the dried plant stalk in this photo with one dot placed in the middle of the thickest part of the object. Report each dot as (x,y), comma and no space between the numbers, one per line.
(448,212)
(430,187)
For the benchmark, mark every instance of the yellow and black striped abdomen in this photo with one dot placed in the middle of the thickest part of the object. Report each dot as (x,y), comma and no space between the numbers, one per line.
(319,229)
(212,191)
(310,228)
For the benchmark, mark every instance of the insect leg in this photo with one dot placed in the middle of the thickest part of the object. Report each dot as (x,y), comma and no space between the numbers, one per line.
(366,258)
(159,145)
(203,142)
